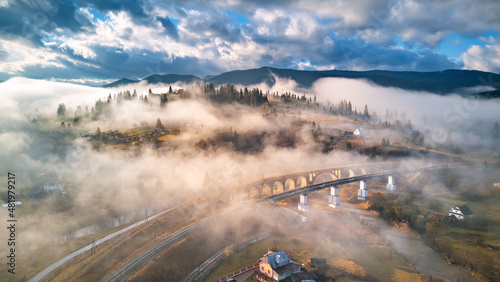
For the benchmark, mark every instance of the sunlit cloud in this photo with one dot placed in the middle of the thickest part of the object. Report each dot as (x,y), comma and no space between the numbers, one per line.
(91,38)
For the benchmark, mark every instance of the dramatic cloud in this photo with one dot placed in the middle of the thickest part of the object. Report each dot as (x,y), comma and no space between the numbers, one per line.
(94,41)
(484,58)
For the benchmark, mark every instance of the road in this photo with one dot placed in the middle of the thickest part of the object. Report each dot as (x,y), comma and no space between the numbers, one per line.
(143,258)
(146,256)
(207,266)
(78,252)
(164,244)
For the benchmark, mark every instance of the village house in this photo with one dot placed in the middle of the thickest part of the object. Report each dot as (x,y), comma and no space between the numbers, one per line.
(460,212)
(278,266)
(359,131)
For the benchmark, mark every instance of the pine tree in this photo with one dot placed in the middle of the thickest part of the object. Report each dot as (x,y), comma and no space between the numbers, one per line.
(158,124)
(61,110)
(78,112)
(163,99)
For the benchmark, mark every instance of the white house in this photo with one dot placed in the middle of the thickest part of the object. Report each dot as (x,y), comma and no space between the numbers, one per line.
(60,187)
(460,212)
(359,131)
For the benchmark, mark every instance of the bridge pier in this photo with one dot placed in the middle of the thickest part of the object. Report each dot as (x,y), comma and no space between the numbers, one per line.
(333,198)
(390,184)
(362,191)
(303,206)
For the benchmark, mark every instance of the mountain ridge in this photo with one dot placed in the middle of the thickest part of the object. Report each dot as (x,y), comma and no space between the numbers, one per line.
(156,78)
(440,82)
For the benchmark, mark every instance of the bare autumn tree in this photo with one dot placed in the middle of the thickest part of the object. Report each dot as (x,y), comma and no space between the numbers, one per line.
(435,223)
(228,253)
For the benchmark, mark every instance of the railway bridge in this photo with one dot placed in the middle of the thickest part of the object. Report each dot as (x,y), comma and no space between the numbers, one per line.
(300,184)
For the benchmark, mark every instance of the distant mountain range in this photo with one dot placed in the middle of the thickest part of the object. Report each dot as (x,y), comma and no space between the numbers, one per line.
(441,82)
(157,78)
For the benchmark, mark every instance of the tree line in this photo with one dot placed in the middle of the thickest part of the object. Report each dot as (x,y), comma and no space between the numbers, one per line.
(229,94)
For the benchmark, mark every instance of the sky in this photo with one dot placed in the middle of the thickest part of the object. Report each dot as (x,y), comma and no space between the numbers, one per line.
(94,42)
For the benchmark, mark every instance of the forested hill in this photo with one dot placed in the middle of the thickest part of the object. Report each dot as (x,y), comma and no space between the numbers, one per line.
(158,78)
(441,82)
(172,78)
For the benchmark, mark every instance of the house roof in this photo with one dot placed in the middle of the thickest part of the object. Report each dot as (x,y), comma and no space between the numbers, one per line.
(278,259)
(280,262)
(286,268)
(359,131)
(465,210)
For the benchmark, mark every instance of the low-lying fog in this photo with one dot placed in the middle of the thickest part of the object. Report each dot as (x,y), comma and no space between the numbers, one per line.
(468,120)
(112,182)
(109,182)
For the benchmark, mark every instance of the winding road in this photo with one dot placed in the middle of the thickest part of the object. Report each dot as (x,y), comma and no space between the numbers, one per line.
(78,252)
(142,259)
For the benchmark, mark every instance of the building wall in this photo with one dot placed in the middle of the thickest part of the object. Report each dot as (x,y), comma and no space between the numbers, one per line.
(458,214)
(266,269)
(285,275)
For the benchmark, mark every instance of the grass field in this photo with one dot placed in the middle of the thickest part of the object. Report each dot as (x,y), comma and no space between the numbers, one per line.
(476,249)
(471,244)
